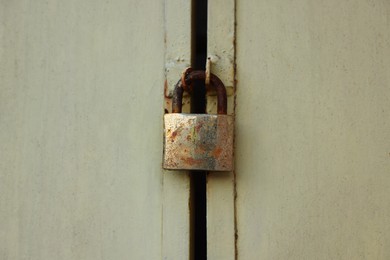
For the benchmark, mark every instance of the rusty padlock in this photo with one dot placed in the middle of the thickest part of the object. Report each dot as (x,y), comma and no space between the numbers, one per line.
(198,141)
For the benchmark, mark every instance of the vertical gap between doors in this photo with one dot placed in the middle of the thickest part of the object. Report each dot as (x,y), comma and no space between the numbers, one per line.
(198,106)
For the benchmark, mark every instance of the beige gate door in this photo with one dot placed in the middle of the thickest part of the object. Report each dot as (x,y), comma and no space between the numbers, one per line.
(313,129)
(81,106)
(81,129)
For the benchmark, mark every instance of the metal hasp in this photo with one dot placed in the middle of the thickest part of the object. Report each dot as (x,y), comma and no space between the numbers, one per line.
(198,141)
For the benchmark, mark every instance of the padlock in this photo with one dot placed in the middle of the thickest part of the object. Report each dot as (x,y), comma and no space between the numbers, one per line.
(198,141)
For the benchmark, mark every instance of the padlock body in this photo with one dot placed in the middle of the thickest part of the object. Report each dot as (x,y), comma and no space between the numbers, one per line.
(198,142)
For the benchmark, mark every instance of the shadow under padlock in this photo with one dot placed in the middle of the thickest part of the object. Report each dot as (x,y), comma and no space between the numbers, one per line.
(198,141)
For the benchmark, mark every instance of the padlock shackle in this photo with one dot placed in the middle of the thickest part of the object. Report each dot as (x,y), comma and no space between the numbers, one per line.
(177,99)
(199,75)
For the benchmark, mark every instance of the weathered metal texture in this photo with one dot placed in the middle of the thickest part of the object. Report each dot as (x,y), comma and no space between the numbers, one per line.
(187,80)
(177,40)
(221,41)
(216,84)
(198,142)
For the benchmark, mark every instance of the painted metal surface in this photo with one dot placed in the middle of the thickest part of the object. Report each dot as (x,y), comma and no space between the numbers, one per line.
(178,44)
(221,40)
(77,181)
(220,186)
(313,129)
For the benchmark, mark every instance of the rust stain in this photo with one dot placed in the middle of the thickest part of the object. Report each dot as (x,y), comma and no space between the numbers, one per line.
(198,126)
(174,134)
(167,98)
(191,161)
(217,152)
